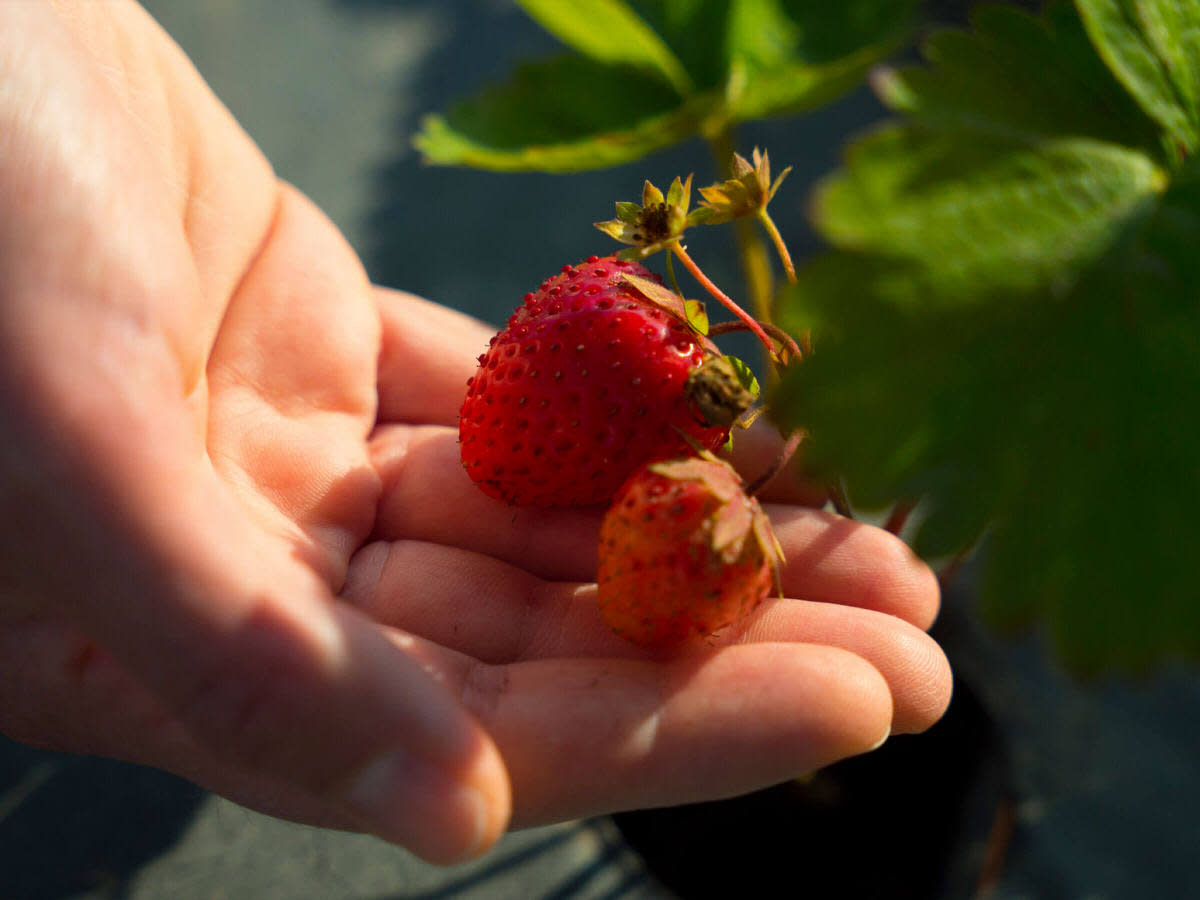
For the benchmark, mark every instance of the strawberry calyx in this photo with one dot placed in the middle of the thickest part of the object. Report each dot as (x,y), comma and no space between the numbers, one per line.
(657,223)
(721,389)
(747,193)
(737,518)
(684,552)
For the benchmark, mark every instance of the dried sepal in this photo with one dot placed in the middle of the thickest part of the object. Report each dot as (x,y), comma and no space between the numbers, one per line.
(690,311)
(738,518)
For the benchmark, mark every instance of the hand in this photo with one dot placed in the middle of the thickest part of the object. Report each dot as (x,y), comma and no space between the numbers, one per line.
(237,543)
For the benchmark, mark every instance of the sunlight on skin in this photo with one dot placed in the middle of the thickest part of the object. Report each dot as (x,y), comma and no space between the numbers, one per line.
(240,545)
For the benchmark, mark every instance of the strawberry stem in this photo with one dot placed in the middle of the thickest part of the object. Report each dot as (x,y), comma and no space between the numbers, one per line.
(777,239)
(720,295)
(671,275)
(756,267)
(785,339)
(784,457)
(899,516)
(841,504)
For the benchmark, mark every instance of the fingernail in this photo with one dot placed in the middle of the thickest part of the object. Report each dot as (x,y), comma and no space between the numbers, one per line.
(879,743)
(416,804)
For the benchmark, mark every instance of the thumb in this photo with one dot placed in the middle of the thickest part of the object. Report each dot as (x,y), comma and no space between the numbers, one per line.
(245,647)
(281,680)
(307,692)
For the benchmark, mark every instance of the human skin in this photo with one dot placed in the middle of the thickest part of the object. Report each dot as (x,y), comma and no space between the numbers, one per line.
(236,542)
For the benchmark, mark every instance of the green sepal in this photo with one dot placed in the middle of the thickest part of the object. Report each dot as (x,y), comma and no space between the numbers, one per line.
(616,229)
(657,223)
(627,211)
(680,193)
(697,317)
(747,193)
(745,375)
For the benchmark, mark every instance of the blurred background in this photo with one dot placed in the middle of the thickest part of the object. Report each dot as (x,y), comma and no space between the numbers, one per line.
(1034,786)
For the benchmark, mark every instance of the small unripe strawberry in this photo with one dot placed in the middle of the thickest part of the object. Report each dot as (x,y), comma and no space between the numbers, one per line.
(684,552)
(586,382)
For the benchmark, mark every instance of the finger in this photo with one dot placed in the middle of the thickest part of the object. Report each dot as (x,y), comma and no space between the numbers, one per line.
(832,559)
(306,694)
(291,394)
(205,597)
(478,605)
(582,737)
(497,613)
(61,691)
(428,354)
(427,497)
(757,450)
(913,665)
(154,144)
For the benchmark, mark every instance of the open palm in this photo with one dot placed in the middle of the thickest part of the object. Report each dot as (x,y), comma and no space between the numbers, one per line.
(237,542)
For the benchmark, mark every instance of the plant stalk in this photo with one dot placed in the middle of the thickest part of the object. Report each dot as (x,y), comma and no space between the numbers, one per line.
(756,263)
(728,302)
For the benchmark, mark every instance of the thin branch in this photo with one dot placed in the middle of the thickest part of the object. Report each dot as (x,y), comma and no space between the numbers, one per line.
(837,495)
(785,455)
(899,516)
(780,247)
(785,339)
(727,301)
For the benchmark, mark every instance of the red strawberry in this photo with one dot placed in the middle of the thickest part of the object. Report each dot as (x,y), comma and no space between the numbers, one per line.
(584,384)
(684,552)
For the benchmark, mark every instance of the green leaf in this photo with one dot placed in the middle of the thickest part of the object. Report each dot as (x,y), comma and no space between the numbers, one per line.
(563,115)
(609,31)
(1009,328)
(655,72)
(1067,428)
(789,56)
(995,80)
(799,86)
(828,31)
(1153,47)
(695,31)
(982,212)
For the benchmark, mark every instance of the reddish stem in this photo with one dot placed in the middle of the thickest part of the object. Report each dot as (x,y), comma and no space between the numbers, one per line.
(726,300)
(774,331)
(899,516)
(949,572)
(785,455)
(841,503)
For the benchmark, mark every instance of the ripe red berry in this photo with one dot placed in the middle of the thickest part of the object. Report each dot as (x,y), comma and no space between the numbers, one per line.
(584,384)
(684,552)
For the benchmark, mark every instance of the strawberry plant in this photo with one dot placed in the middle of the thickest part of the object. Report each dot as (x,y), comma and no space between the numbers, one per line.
(643,75)
(1004,329)
(604,371)
(1009,321)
